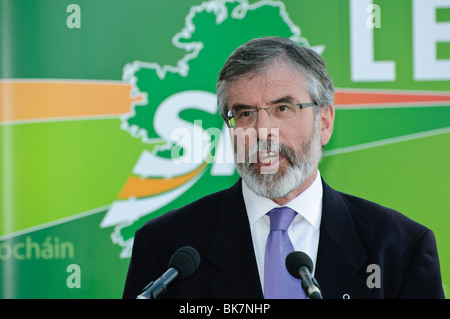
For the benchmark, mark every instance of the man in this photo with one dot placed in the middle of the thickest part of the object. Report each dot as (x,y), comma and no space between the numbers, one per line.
(277,98)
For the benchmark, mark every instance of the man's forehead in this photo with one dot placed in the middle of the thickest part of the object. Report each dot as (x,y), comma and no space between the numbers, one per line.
(283,99)
(268,88)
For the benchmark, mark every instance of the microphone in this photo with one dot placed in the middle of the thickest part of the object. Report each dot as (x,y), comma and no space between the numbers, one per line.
(299,266)
(183,263)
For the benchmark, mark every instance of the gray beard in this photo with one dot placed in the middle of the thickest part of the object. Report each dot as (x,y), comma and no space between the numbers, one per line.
(281,183)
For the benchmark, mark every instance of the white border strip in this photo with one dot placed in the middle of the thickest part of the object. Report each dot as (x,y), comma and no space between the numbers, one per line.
(63,81)
(62,119)
(387,141)
(55,222)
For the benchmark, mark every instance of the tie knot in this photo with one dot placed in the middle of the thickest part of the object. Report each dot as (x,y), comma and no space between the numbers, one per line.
(281,218)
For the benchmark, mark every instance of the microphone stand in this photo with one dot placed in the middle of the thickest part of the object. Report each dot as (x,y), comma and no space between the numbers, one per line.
(157,289)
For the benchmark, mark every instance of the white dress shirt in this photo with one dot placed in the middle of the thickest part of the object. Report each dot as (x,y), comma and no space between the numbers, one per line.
(304,229)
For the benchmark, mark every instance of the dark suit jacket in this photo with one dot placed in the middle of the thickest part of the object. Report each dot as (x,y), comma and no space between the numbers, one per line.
(354,234)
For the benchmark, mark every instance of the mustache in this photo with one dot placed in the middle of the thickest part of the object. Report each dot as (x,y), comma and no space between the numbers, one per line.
(270,146)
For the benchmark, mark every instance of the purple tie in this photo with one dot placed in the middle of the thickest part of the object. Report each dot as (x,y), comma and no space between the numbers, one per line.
(278,283)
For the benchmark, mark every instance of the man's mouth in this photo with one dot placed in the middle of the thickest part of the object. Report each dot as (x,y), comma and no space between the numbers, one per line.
(269,161)
(268,158)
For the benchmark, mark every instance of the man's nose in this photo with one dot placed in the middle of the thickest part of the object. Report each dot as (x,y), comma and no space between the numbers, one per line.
(266,128)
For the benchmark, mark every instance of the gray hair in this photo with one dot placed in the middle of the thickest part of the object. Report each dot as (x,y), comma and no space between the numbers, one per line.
(257,55)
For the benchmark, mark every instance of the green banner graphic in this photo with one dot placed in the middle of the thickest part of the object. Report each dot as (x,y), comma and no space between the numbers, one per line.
(109,118)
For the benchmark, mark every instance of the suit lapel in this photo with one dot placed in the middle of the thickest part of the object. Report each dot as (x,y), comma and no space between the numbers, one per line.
(341,256)
(232,251)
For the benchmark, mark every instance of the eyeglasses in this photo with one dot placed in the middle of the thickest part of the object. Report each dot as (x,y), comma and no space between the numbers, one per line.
(246,116)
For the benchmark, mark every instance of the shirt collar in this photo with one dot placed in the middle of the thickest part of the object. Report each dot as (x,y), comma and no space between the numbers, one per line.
(308,204)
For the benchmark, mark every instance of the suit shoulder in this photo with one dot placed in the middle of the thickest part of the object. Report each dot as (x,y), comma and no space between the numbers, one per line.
(192,225)
(203,208)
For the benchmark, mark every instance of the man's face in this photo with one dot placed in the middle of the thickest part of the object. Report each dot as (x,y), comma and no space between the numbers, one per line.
(279,155)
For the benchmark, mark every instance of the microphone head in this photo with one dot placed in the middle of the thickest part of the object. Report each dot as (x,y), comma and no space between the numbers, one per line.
(186,260)
(297,259)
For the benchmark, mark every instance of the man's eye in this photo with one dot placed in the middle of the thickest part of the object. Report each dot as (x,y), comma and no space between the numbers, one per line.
(244,113)
(283,108)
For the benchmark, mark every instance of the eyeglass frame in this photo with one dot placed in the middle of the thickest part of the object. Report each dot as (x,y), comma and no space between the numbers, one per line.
(230,114)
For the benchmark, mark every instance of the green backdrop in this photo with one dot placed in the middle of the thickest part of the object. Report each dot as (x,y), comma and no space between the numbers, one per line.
(84,164)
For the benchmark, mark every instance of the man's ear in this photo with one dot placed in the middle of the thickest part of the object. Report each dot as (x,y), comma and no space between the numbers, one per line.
(326,123)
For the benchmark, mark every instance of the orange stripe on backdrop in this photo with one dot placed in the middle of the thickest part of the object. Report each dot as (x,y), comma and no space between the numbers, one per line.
(369,98)
(142,187)
(28,100)
(23,100)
